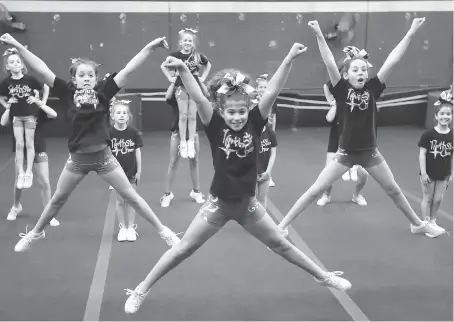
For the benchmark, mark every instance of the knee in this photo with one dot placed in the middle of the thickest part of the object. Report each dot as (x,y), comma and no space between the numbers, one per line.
(185,249)
(173,163)
(392,189)
(44,185)
(20,144)
(29,143)
(316,191)
(279,245)
(59,199)
(362,174)
(427,198)
(193,163)
(438,200)
(130,196)
(191,116)
(183,116)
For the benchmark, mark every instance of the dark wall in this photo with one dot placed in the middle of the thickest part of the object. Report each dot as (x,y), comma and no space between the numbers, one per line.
(244,44)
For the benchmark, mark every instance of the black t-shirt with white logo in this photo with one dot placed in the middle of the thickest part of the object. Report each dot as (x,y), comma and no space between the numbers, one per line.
(21,89)
(39,140)
(357,114)
(124,145)
(439,153)
(188,59)
(87,111)
(235,155)
(267,141)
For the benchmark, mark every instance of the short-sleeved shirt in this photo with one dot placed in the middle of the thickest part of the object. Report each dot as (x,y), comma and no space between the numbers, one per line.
(235,156)
(267,141)
(39,139)
(124,145)
(87,112)
(357,113)
(188,59)
(21,89)
(439,153)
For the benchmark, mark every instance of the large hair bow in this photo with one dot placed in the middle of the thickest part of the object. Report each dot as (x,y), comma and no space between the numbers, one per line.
(81,60)
(445,97)
(354,52)
(194,31)
(115,101)
(10,51)
(263,76)
(231,84)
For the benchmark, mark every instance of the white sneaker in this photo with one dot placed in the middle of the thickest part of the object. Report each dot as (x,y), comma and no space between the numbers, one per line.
(169,236)
(346,176)
(183,148)
(27,240)
(191,149)
(272,184)
(434,224)
(334,281)
(132,233)
(12,215)
(20,181)
(360,200)
(166,200)
(54,222)
(122,233)
(28,180)
(197,196)
(134,300)
(428,229)
(323,200)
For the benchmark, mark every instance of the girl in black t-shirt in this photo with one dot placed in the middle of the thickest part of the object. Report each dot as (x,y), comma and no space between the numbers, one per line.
(333,145)
(189,54)
(126,144)
(356,97)
(233,129)
(89,141)
(435,158)
(18,92)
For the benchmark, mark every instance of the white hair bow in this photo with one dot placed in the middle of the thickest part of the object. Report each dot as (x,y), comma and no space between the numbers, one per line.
(231,83)
(354,52)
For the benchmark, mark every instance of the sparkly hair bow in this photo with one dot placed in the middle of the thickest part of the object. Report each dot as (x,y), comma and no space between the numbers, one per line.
(263,76)
(354,52)
(114,101)
(445,98)
(10,51)
(231,84)
(80,60)
(194,31)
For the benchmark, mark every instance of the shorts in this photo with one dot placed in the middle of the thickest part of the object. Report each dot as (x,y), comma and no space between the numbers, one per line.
(101,162)
(366,158)
(218,212)
(40,157)
(28,122)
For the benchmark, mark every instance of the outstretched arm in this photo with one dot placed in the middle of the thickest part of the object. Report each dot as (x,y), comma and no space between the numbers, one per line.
(326,54)
(278,80)
(192,87)
(45,93)
(396,55)
(30,59)
(121,78)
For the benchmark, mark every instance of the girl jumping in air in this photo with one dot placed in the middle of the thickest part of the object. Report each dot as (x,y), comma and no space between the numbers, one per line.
(126,144)
(333,145)
(15,91)
(435,159)
(233,130)
(356,95)
(188,112)
(89,141)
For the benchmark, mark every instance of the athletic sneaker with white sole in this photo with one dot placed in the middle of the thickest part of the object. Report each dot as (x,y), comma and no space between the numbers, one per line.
(166,200)
(323,200)
(428,229)
(27,240)
(434,224)
(134,300)
(12,215)
(197,196)
(122,233)
(132,233)
(360,200)
(334,281)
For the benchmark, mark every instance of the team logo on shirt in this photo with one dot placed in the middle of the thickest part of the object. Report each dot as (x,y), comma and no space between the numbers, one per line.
(86,96)
(442,148)
(265,145)
(241,146)
(19,91)
(122,146)
(361,101)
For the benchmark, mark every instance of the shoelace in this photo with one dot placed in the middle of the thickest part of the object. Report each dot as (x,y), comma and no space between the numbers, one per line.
(134,228)
(28,237)
(169,239)
(331,275)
